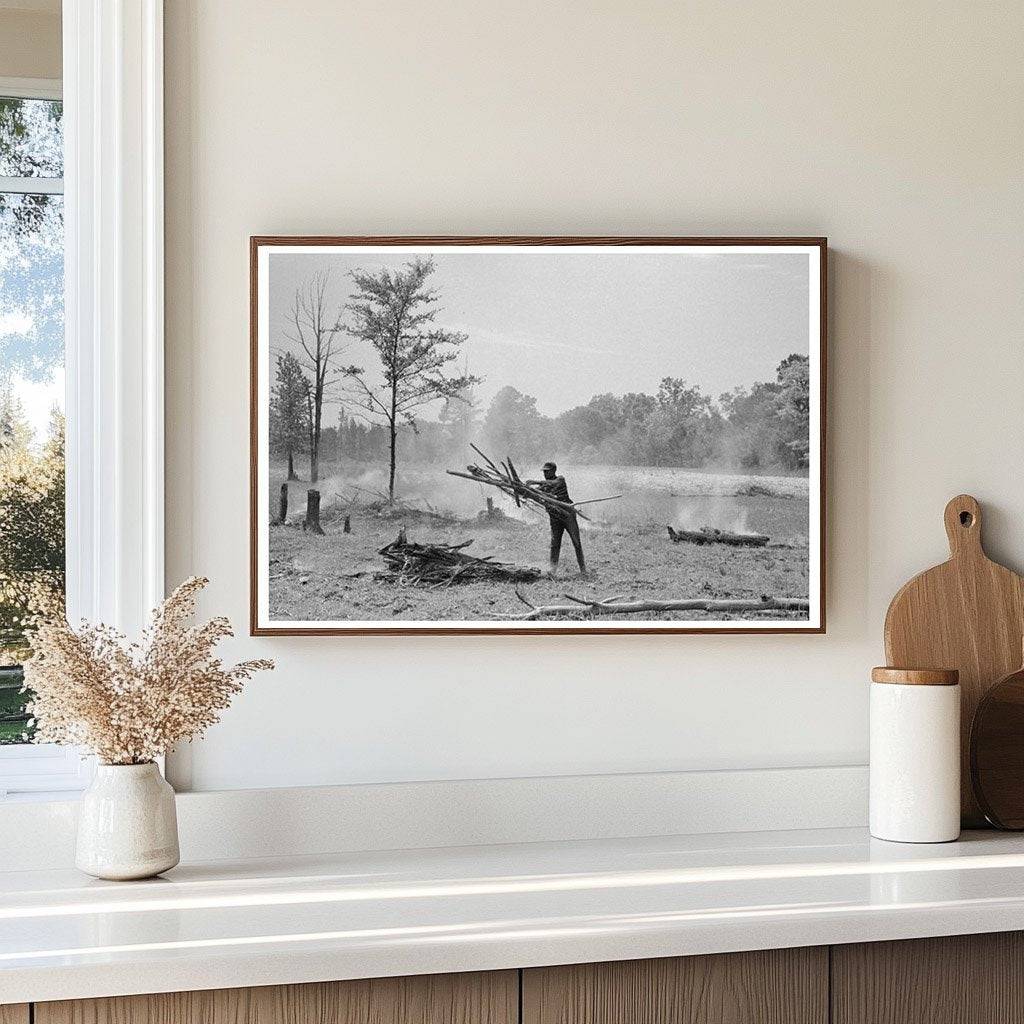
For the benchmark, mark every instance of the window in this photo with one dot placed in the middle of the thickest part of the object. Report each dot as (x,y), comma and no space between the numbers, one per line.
(31,411)
(92,172)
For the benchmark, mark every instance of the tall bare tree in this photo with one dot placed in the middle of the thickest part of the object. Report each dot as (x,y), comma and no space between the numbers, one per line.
(315,330)
(394,311)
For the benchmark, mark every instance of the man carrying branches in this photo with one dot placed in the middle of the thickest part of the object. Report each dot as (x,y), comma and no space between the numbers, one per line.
(561,520)
(551,494)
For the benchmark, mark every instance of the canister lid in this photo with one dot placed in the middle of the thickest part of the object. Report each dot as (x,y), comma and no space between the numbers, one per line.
(916,676)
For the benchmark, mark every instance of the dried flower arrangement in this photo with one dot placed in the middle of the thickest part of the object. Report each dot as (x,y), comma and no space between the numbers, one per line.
(129,703)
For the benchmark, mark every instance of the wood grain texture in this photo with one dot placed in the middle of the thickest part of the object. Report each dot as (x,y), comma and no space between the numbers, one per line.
(779,986)
(480,998)
(915,676)
(961,979)
(14,1013)
(997,752)
(967,614)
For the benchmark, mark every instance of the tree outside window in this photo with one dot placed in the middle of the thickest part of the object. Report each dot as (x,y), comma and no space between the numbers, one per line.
(31,386)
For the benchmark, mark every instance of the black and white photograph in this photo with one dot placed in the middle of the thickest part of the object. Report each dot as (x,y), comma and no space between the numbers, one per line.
(537,435)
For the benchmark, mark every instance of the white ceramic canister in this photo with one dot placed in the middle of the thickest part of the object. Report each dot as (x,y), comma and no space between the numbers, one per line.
(915,755)
(127,824)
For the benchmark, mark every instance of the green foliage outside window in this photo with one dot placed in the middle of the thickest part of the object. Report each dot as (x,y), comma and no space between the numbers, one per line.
(31,354)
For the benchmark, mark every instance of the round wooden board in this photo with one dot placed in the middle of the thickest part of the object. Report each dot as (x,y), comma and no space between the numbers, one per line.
(997,753)
(968,614)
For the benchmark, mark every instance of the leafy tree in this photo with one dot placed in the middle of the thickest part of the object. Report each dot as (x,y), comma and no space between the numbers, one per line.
(673,428)
(30,130)
(588,426)
(767,426)
(15,429)
(31,242)
(513,424)
(685,421)
(289,410)
(394,311)
(31,525)
(794,406)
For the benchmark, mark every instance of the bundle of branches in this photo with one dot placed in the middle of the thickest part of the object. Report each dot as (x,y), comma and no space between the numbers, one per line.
(506,479)
(444,564)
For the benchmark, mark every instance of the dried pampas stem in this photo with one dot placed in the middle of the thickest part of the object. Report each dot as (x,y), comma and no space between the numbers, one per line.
(129,703)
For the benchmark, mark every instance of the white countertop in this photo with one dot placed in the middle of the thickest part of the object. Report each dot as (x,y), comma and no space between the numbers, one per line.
(262,922)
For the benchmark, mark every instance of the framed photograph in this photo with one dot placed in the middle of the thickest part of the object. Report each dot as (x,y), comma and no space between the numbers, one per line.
(537,435)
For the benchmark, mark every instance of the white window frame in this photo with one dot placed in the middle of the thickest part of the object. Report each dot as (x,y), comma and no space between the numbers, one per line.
(114,325)
(32,88)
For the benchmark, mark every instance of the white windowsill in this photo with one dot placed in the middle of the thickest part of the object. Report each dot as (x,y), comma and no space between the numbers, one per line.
(357,915)
(42,771)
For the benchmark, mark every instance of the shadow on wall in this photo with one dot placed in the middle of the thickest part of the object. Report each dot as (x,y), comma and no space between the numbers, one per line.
(855,288)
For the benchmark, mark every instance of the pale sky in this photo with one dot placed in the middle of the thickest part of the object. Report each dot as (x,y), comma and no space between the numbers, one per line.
(39,399)
(565,326)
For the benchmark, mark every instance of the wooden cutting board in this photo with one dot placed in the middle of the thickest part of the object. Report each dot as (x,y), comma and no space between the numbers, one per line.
(967,614)
(997,752)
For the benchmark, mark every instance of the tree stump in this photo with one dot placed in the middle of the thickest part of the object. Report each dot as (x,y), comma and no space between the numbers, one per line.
(312,520)
(282,508)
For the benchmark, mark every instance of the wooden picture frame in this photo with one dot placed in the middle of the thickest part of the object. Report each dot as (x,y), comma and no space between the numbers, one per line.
(386,250)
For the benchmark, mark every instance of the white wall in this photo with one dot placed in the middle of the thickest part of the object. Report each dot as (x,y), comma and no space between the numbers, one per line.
(895,129)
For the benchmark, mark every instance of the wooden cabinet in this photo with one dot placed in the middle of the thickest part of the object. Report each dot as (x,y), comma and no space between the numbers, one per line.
(491,998)
(778,986)
(971,979)
(963,979)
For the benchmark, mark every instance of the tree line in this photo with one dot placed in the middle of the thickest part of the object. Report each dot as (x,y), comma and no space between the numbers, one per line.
(31,524)
(764,426)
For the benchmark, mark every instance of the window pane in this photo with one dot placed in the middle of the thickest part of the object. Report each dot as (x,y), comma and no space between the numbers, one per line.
(31,432)
(31,138)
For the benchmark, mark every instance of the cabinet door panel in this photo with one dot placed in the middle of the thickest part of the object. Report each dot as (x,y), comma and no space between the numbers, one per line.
(14,1013)
(482,998)
(778,986)
(961,979)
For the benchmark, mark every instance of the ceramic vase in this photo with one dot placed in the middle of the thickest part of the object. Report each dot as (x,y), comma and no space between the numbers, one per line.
(915,755)
(127,825)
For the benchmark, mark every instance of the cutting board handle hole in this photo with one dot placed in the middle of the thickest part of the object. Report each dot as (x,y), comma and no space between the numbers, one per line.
(962,517)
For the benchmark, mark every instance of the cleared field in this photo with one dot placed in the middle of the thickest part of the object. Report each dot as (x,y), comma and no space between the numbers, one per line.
(627,547)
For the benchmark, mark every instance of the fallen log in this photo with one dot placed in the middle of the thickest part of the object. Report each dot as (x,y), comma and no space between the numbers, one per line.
(707,535)
(443,564)
(617,606)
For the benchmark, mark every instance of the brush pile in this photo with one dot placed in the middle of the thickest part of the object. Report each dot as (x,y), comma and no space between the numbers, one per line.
(379,505)
(443,564)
